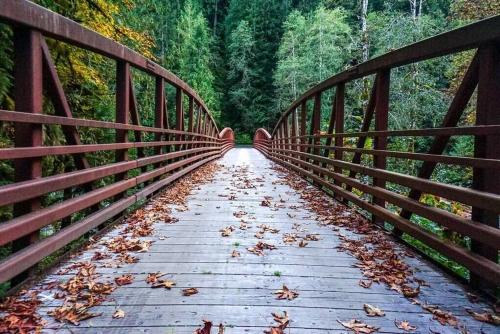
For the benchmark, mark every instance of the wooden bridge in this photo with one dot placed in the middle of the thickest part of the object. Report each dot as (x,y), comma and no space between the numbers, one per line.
(307,232)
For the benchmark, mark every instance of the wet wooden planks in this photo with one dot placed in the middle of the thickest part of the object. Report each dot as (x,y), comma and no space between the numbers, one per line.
(238,291)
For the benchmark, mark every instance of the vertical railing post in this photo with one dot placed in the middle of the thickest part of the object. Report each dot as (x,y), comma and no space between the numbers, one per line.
(179,116)
(28,98)
(286,132)
(316,123)
(159,112)
(121,116)
(191,120)
(381,124)
(487,147)
(303,125)
(295,130)
(122,110)
(339,125)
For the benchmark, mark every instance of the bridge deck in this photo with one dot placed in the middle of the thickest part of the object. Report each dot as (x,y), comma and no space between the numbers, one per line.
(238,291)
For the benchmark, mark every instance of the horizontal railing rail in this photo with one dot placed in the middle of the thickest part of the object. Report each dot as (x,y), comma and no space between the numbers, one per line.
(138,162)
(353,166)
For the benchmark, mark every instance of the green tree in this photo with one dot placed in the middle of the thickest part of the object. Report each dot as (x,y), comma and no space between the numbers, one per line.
(311,50)
(240,77)
(192,58)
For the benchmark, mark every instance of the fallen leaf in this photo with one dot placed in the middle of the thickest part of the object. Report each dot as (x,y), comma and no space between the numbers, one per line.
(226,231)
(365,284)
(358,326)
(285,293)
(124,279)
(235,253)
(207,327)
(72,313)
(405,325)
(153,277)
(485,317)
(302,243)
(189,291)
(167,284)
(119,313)
(373,311)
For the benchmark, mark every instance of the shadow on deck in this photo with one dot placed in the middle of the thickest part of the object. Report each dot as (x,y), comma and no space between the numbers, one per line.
(252,200)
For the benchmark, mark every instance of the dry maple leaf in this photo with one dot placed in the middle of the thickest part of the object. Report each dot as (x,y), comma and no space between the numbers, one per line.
(127,258)
(235,253)
(443,317)
(153,277)
(100,256)
(124,279)
(358,326)
(285,293)
(189,291)
(167,284)
(485,317)
(289,238)
(373,311)
(311,237)
(409,292)
(282,320)
(365,283)
(405,325)
(226,231)
(265,203)
(72,313)
(207,328)
(255,251)
(119,313)
(239,214)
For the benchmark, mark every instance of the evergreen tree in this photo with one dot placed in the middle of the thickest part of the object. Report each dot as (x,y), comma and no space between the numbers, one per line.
(192,56)
(240,77)
(312,49)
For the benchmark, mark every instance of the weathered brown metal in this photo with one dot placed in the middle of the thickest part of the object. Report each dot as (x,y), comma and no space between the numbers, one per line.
(28,98)
(451,119)
(381,123)
(487,179)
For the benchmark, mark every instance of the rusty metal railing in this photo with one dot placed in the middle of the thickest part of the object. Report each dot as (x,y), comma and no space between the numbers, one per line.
(168,154)
(322,157)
